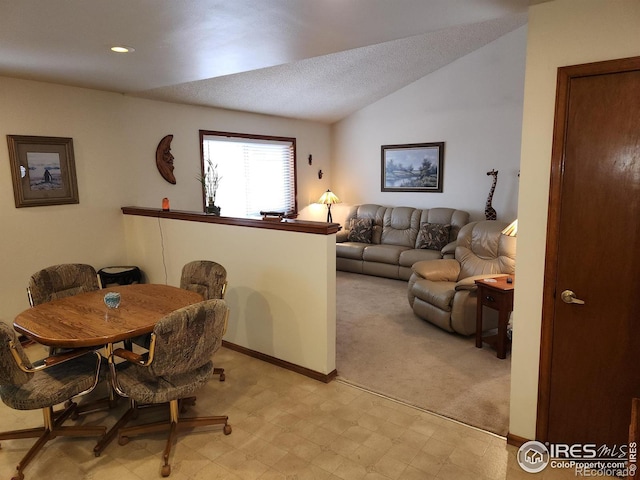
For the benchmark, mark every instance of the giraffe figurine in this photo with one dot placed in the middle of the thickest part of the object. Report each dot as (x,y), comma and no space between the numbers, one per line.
(489,212)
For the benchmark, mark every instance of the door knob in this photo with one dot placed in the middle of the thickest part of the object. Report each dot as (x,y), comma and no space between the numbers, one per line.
(569,297)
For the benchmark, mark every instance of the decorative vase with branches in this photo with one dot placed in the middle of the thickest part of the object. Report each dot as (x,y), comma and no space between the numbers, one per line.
(210,182)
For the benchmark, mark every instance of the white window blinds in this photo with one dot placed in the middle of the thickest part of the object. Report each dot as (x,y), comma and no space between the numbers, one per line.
(256,174)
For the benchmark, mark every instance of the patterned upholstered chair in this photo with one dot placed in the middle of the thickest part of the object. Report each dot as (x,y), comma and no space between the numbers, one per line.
(177,364)
(60,281)
(209,279)
(205,277)
(27,386)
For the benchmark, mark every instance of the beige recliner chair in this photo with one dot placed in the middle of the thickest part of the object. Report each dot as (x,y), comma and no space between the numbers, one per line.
(443,291)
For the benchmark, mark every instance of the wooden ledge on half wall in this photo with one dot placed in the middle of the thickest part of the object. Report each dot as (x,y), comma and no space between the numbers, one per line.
(290,225)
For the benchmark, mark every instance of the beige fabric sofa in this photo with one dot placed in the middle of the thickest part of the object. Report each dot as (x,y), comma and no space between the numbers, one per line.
(397,233)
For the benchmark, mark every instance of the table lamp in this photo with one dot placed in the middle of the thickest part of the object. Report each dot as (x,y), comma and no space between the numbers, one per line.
(328,198)
(511,230)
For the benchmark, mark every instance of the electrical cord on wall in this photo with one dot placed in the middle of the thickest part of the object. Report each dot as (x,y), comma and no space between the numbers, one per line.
(164,263)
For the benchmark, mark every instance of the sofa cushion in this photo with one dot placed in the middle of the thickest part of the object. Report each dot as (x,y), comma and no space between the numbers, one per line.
(374,212)
(350,250)
(443,270)
(400,227)
(433,236)
(360,230)
(481,249)
(409,257)
(383,253)
(456,218)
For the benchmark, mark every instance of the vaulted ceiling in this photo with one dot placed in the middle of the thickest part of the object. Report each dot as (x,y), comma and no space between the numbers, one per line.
(310,59)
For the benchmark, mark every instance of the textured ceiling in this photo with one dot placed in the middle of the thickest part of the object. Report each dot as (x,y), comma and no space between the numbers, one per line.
(311,59)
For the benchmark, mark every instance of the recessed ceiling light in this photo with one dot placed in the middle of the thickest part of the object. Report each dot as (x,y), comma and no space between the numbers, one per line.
(122,49)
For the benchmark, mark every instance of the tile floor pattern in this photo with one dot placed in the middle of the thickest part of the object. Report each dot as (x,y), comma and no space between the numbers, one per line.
(285,427)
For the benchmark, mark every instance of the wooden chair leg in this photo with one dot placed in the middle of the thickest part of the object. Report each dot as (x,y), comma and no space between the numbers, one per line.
(35,448)
(26,433)
(174,426)
(98,405)
(166,468)
(113,431)
(52,428)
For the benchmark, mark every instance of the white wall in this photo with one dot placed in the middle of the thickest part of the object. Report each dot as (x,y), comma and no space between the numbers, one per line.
(115,139)
(282,285)
(474,105)
(561,33)
(91,232)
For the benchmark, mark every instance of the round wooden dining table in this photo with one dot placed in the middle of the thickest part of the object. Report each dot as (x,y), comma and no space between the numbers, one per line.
(84,320)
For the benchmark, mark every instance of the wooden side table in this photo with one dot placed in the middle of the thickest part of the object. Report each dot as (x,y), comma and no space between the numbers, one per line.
(497,295)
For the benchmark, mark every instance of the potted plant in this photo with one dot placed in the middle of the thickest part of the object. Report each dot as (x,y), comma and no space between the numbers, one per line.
(210,182)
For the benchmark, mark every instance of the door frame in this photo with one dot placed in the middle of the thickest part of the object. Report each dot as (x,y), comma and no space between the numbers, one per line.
(565,76)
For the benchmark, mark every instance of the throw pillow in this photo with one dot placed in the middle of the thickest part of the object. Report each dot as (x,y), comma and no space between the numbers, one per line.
(361,230)
(433,236)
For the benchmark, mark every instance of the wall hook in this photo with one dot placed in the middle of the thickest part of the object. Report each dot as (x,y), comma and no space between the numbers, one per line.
(320,174)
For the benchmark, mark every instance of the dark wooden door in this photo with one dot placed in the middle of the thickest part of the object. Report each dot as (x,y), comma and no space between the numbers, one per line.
(590,353)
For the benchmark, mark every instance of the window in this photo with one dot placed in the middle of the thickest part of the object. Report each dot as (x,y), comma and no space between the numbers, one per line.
(256,173)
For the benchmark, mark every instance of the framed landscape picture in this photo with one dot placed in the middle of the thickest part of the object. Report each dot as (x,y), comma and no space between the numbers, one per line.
(43,170)
(413,167)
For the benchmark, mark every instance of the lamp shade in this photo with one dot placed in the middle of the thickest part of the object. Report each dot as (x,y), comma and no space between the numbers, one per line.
(512,229)
(329,198)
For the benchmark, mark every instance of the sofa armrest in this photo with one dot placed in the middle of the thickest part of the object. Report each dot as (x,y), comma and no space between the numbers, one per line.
(469,283)
(342,236)
(449,250)
(442,270)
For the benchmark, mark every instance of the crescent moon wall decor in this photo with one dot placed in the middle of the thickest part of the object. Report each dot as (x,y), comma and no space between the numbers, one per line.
(164,159)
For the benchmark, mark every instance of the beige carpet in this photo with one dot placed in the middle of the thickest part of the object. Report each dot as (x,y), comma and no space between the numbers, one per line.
(383,347)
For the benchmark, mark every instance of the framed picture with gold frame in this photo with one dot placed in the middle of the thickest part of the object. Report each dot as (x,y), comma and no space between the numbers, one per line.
(43,170)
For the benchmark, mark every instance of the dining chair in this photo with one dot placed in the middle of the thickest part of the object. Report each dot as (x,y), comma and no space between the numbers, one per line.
(205,277)
(60,281)
(177,364)
(42,385)
(209,279)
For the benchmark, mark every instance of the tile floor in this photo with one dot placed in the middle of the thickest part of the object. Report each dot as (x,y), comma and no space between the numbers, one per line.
(285,427)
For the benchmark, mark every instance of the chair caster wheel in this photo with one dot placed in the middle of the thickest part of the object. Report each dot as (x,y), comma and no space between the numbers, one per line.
(166,470)
(222,377)
(227,429)
(123,440)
